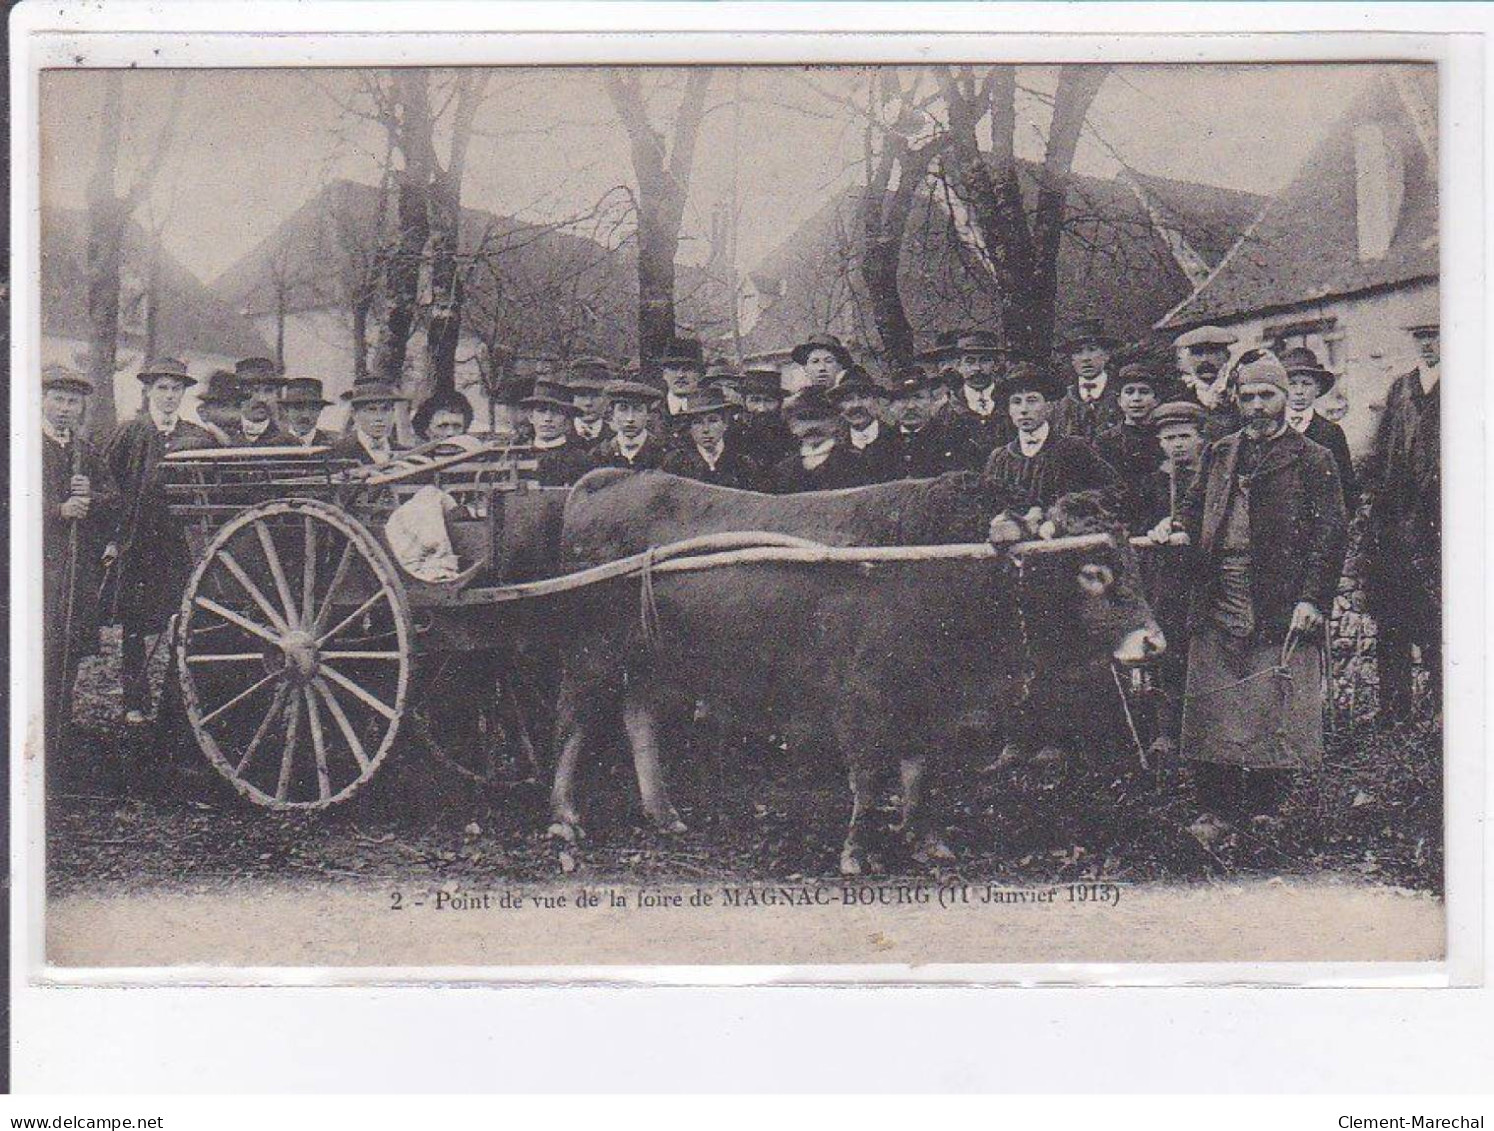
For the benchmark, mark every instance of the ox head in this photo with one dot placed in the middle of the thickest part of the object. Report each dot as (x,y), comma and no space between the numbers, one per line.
(1083,598)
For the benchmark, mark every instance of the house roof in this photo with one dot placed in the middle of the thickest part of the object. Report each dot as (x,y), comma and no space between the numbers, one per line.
(192,319)
(1305,247)
(1114,263)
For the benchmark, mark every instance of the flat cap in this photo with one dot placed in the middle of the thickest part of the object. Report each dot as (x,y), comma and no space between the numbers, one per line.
(1206,336)
(1178,412)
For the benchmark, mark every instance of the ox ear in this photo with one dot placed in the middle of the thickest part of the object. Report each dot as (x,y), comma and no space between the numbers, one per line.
(1096,579)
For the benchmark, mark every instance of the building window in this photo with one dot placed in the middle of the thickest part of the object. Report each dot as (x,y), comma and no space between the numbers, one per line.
(1321,335)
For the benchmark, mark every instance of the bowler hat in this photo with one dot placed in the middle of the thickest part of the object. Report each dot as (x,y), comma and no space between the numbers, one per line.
(548,394)
(762,381)
(856,383)
(810,403)
(800,353)
(911,379)
(1300,360)
(1178,412)
(258,370)
(632,391)
(1029,377)
(1087,331)
(709,398)
(166,367)
(588,374)
(298,390)
(222,388)
(68,380)
(981,342)
(374,392)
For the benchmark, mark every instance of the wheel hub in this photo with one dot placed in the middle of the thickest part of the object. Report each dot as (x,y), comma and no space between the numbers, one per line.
(300,655)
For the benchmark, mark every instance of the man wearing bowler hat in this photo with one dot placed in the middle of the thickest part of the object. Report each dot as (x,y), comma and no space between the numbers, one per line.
(927,443)
(370,436)
(823,358)
(977,405)
(1267,523)
(1089,406)
(822,461)
(79,510)
(711,454)
(682,370)
(587,382)
(1308,380)
(561,457)
(632,445)
(218,404)
(1041,464)
(863,405)
(759,429)
(1404,537)
(149,553)
(259,385)
(301,408)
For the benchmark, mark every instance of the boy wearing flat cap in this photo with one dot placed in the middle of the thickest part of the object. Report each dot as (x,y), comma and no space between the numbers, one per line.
(1041,464)
(823,461)
(712,455)
(632,445)
(1267,524)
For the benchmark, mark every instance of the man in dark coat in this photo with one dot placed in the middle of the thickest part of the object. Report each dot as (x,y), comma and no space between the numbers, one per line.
(863,405)
(1130,447)
(1089,406)
(1404,575)
(150,554)
(712,456)
(1203,360)
(824,360)
(562,458)
(587,382)
(759,430)
(926,442)
(1308,381)
(823,461)
(369,439)
(79,509)
(682,371)
(218,404)
(977,405)
(1041,464)
(301,407)
(632,445)
(1266,517)
(259,384)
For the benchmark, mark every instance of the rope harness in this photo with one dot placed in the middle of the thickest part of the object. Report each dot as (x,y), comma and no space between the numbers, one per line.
(1279,672)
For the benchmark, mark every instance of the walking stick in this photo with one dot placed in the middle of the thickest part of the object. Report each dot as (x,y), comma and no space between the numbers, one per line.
(69,606)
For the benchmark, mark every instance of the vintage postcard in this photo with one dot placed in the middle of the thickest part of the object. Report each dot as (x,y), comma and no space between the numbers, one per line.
(963,513)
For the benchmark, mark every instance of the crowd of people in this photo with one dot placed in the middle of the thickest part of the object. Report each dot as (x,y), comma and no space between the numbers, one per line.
(1216,457)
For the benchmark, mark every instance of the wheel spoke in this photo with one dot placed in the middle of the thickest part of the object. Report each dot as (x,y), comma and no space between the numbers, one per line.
(243,578)
(337,578)
(243,622)
(282,787)
(335,709)
(350,618)
(277,571)
(352,688)
(323,782)
(308,573)
(225,657)
(277,704)
(240,697)
(359,655)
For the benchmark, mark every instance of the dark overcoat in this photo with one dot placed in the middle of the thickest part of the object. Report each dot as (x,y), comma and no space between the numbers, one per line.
(1323,432)
(842,468)
(1298,529)
(1405,519)
(1064,465)
(69,560)
(608,454)
(1085,420)
(563,465)
(938,447)
(733,469)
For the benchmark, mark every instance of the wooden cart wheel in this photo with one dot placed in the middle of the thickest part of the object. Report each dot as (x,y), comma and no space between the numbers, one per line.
(294,648)
(497,720)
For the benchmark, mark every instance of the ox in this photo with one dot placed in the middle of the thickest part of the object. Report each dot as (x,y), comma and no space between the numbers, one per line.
(889,662)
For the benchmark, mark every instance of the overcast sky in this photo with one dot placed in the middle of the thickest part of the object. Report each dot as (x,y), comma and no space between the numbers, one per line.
(253,145)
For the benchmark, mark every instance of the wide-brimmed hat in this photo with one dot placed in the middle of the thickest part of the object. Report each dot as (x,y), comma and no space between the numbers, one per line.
(857,383)
(800,353)
(588,375)
(632,391)
(62,377)
(1030,377)
(222,388)
(909,379)
(1300,361)
(1178,412)
(512,390)
(166,367)
(810,403)
(373,392)
(1206,336)
(550,394)
(300,390)
(762,381)
(258,370)
(709,398)
(1084,332)
(981,342)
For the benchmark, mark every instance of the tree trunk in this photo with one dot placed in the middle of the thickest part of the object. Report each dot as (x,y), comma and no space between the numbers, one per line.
(107,217)
(412,219)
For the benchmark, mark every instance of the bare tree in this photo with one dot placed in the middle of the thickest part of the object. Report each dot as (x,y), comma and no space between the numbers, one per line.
(109,212)
(662,170)
(1021,254)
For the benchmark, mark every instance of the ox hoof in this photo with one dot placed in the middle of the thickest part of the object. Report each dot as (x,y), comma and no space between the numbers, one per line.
(568,831)
(668,821)
(850,862)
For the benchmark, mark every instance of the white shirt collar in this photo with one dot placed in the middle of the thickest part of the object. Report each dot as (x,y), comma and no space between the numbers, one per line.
(1030,443)
(308,440)
(255,429)
(982,402)
(1094,388)
(712,457)
(588,430)
(676,404)
(631,448)
(1429,378)
(1300,420)
(379,451)
(549,445)
(815,453)
(865,437)
(62,437)
(165,425)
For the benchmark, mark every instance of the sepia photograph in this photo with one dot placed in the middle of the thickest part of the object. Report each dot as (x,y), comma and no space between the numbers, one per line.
(928,513)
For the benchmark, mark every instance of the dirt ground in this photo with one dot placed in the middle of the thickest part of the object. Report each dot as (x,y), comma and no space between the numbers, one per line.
(139,812)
